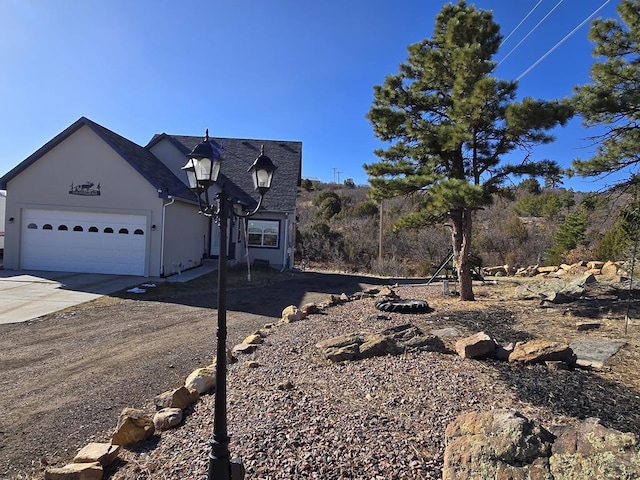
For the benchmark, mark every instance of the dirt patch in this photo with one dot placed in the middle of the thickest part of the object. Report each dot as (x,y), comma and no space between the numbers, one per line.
(66,376)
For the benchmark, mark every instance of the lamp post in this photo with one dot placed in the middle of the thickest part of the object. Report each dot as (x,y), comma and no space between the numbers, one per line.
(202,171)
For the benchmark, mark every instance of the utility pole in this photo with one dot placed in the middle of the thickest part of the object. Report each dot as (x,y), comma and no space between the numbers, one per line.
(336,175)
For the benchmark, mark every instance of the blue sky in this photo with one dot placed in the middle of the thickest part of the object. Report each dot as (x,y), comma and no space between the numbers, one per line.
(277,69)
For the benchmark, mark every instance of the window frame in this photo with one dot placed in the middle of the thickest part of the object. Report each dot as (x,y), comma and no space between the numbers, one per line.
(262,244)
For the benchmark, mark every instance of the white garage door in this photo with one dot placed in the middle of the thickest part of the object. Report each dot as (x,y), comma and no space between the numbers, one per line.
(90,242)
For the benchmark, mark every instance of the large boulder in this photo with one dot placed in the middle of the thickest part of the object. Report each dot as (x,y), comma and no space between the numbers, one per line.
(556,291)
(500,444)
(503,444)
(540,351)
(593,451)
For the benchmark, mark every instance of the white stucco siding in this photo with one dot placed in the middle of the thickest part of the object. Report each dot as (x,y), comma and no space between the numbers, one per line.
(82,158)
(185,237)
(83,163)
(173,158)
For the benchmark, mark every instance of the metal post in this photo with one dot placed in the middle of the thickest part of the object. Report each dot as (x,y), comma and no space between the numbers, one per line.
(219,458)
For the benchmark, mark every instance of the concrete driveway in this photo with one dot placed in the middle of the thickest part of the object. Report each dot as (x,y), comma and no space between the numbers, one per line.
(25,295)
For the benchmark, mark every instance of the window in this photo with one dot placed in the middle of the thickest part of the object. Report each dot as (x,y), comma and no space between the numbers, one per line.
(47,226)
(32,226)
(63,227)
(263,233)
(78,228)
(93,229)
(138,232)
(123,230)
(108,230)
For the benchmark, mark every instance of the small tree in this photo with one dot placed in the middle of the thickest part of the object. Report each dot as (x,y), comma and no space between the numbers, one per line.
(568,236)
(449,122)
(349,183)
(307,184)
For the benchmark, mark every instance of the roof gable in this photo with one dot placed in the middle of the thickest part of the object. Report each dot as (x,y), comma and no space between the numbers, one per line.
(141,159)
(237,156)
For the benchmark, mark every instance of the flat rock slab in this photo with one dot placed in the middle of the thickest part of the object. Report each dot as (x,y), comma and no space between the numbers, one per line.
(594,352)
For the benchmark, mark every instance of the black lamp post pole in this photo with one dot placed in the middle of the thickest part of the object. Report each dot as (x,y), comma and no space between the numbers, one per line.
(219,457)
(202,170)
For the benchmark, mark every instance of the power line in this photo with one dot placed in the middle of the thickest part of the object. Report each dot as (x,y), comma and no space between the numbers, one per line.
(551,50)
(530,32)
(521,22)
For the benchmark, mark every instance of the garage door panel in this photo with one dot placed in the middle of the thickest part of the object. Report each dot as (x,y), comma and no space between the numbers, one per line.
(84,250)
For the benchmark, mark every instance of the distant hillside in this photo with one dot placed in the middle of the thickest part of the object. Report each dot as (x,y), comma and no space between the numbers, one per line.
(339,227)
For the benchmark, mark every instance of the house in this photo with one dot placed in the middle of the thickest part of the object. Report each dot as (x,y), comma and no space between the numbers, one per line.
(90,200)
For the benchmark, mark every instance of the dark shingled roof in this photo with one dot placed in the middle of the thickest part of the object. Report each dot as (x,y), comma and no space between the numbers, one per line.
(237,156)
(141,159)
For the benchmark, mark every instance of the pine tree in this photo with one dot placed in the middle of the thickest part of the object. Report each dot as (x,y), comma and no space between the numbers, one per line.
(569,235)
(612,98)
(449,122)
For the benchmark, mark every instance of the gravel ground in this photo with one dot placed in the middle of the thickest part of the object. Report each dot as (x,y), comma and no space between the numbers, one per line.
(295,416)
(379,418)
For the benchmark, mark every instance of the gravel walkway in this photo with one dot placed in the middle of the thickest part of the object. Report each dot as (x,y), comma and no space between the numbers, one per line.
(297,416)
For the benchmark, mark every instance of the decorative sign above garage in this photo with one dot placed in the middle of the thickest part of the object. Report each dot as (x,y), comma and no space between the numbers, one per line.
(88,189)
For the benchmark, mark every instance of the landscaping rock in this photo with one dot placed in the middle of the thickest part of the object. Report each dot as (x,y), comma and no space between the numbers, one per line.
(503,444)
(609,269)
(594,352)
(593,451)
(502,352)
(202,380)
(254,339)
(447,332)
(386,292)
(178,398)
(167,418)
(309,309)
(291,314)
(243,348)
(75,471)
(479,345)
(500,444)
(103,453)
(133,426)
(392,341)
(409,337)
(540,351)
(374,346)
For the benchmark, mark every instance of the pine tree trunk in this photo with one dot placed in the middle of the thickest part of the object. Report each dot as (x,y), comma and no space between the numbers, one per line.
(461,243)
